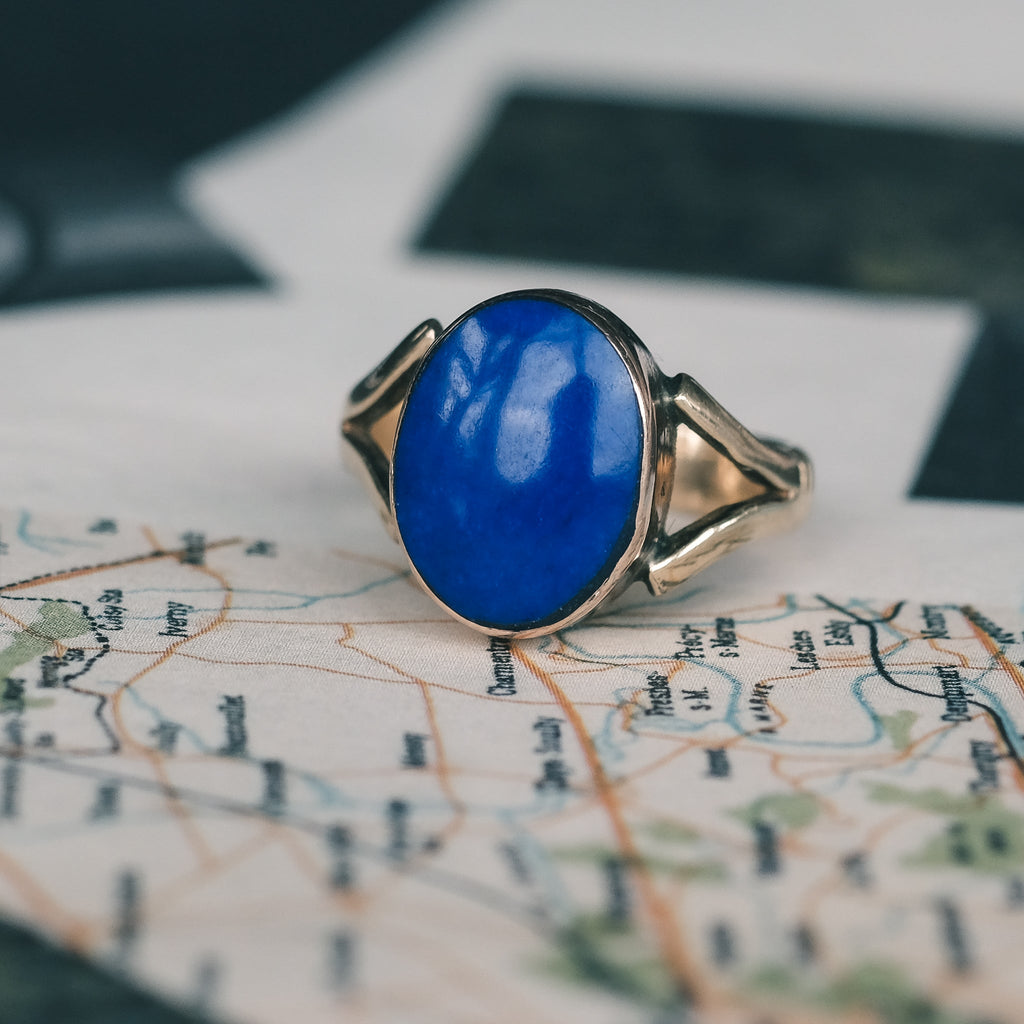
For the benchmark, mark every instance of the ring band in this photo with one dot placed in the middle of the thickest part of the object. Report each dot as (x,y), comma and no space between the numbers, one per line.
(533,461)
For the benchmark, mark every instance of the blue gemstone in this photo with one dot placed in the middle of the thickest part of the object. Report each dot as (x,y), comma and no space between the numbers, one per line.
(517,463)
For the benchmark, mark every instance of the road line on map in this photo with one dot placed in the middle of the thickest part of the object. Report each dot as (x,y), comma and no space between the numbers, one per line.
(352,902)
(882,670)
(151,538)
(234,662)
(270,832)
(1012,670)
(484,983)
(306,666)
(881,761)
(178,810)
(42,905)
(218,620)
(164,897)
(996,653)
(379,563)
(467,888)
(88,570)
(828,885)
(443,772)
(23,626)
(659,910)
(775,763)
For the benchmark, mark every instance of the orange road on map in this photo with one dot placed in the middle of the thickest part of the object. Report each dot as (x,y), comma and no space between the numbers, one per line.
(1012,670)
(659,910)
(89,570)
(176,806)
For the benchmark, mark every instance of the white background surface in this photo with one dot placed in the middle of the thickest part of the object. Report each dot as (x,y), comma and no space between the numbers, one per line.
(219,411)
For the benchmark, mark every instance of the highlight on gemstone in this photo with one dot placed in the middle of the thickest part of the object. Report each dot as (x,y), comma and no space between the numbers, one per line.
(517,464)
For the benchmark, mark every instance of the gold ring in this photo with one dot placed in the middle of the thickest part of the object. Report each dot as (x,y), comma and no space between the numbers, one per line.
(533,461)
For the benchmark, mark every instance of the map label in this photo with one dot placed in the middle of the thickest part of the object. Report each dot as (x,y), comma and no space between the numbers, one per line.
(195,548)
(806,655)
(838,633)
(986,763)
(659,695)
(415,750)
(718,763)
(113,610)
(1001,636)
(177,619)
(954,694)
(759,702)
(504,684)
(690,642)
(236,741)
(549,736)
(724,640)
(935,627)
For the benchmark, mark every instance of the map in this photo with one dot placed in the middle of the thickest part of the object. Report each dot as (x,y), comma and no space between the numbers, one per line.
(271,783)
(251,774)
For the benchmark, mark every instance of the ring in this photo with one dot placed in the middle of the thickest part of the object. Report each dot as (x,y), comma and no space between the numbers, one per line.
(533,461)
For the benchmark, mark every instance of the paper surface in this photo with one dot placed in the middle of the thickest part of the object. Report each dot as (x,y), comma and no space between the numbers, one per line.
(248,766)
(231,762)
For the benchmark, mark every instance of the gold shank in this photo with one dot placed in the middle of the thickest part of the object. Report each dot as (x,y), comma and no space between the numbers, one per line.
(716,484)
(741,486)
(372,414)
(704,479)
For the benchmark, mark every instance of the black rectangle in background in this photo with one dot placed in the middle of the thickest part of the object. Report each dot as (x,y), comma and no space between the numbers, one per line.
(773,198)
(748,194)
(103,103)
(978,450)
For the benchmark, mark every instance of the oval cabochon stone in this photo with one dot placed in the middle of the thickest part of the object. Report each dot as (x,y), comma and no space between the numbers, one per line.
(518,462)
